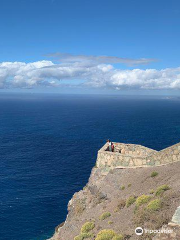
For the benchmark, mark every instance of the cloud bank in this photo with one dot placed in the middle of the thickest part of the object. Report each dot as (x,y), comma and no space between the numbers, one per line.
(100,75)
(70,58)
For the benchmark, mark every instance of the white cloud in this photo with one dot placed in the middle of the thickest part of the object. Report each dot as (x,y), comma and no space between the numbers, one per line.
(47,73)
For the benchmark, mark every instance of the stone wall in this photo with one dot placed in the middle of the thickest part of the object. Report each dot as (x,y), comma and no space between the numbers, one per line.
(132,149)
(132,155)
(167,155)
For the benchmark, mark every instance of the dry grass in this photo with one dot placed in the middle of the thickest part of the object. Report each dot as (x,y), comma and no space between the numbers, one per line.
(130,201)
(79,207)
(121,204)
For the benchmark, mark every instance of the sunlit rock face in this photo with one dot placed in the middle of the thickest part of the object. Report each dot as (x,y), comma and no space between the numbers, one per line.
(111,197)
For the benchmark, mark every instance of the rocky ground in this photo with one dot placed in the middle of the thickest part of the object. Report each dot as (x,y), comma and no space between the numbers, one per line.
(121,201)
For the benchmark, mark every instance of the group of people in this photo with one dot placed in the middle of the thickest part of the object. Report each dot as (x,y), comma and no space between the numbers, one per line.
(110,146)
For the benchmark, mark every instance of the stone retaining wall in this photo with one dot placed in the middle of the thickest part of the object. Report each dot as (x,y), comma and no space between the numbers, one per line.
(132,155)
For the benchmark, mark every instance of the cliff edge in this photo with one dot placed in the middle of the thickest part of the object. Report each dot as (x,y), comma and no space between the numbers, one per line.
(115,202)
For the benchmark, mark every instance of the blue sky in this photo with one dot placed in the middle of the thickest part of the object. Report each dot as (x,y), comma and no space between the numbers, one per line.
(41,30)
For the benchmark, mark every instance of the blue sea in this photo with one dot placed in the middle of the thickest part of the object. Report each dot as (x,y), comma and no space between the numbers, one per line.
(49,144)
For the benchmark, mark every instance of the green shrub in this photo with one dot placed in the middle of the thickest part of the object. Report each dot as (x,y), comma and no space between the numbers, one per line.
(116,210)
(79,237)
(129,185)
(154,174)
(110,222)
(130,201)
(87,227)
(118,237)
(105,215)
(151,191)
(83,236)
(106,234)
(142,200)
(123,187)
(154,205)
(160,190)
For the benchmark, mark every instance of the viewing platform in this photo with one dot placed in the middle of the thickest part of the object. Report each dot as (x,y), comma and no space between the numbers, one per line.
(132,155)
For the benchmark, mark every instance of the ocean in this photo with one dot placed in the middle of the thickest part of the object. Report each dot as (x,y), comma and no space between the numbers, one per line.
(49,144)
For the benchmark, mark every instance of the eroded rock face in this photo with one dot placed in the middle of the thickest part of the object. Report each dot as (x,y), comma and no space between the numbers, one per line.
(109,194)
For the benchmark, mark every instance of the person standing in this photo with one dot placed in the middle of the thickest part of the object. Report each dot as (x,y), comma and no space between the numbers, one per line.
(112,146)
(109,145)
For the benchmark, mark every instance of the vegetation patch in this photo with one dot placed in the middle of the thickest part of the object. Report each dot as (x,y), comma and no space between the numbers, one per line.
(105,215)
(110,222)
(108,234)
(83,236)
(116,210)
(151,191)
(130,201)
(154,205)
(154,174)
(129,185)
(118,237)
(142,200)
(160,190)
(122,187)
(121,204)
(150,219)
(79,207)
(87,227)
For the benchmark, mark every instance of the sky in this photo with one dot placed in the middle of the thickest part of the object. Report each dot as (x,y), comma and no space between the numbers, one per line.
(100,46)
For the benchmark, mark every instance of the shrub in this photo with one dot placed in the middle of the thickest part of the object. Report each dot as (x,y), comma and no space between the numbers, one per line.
(110,222)
(123,187)
(142,200)
(106,234)
(87,227)
(79,237)
(105,215)
(116,210)
(154,174)
(118,237)
(129,185)
(151,191)
(121,204)
(154,205)
(83,236)
(150,219)
(160,190)
(130,201)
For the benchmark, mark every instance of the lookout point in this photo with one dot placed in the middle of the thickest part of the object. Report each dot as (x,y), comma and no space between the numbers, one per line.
(132,156)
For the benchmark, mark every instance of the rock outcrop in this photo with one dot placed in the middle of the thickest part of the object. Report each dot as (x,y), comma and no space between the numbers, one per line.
(117,202)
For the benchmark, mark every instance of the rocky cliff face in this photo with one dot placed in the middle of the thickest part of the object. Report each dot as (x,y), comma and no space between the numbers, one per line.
(111,206)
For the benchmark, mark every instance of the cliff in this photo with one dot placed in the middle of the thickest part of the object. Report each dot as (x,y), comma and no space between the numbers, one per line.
(118,199)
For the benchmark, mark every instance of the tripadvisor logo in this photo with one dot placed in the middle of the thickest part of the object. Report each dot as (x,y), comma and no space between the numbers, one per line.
(139,231)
